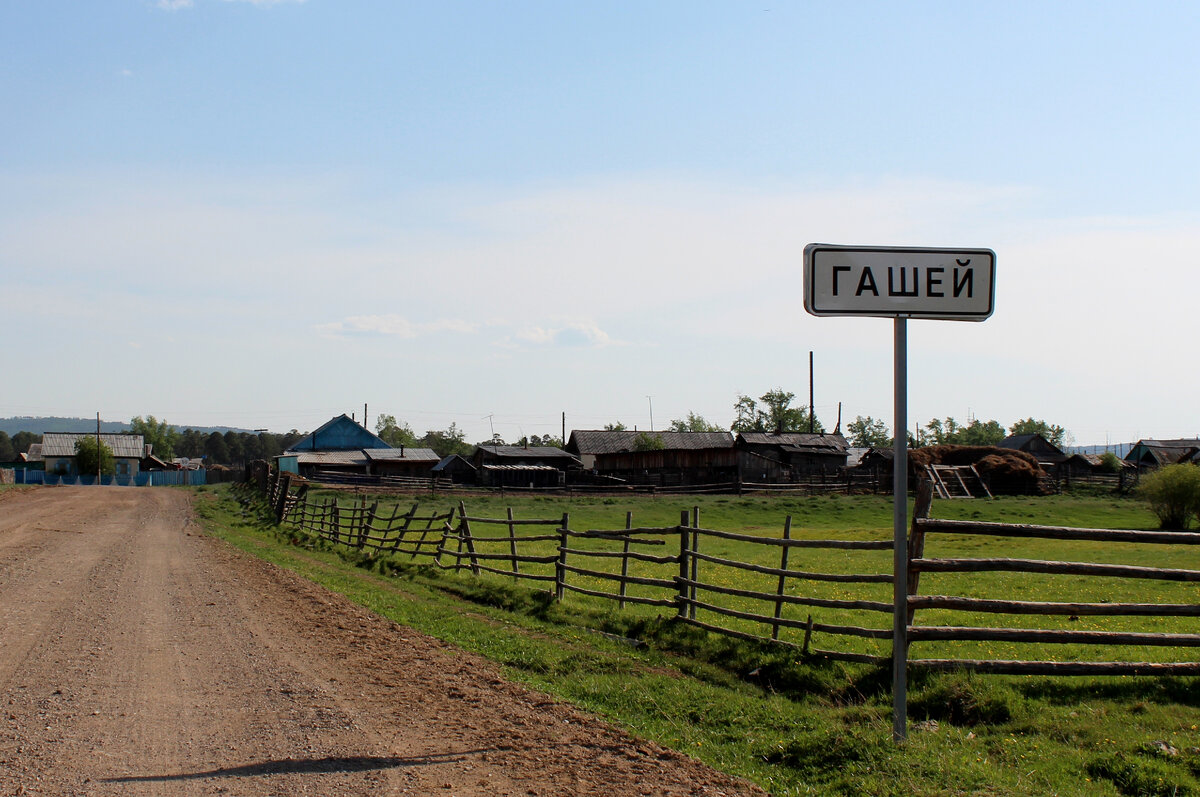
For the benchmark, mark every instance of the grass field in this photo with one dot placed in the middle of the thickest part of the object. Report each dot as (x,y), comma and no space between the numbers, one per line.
(801,726)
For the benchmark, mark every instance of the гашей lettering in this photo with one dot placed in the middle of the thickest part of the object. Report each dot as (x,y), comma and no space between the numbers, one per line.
(906,280)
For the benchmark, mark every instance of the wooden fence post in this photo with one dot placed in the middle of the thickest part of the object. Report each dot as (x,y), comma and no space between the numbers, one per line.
(560,567)
(368,520)
(916,539)
(512,544)
(783,565)
(695,561)
(625,561)
(465,539)
(281,500)
(684,592)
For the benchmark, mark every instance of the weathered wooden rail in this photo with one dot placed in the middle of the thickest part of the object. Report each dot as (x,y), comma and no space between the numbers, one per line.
(680,568)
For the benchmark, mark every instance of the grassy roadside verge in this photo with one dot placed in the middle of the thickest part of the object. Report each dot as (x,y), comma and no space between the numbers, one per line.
(793,727)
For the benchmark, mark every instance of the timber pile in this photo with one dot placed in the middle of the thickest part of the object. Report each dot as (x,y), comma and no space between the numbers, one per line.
(1007,471)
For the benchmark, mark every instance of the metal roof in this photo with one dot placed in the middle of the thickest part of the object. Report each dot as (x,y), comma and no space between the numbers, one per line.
(123,446)
(329,457)
(401,455)
(608,441)
(520,467)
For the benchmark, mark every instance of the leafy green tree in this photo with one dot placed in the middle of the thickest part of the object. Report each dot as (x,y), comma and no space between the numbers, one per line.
(543,440)
(191,444)
(868,433)
(1052,432)
(693,423)
(1110,462)
(983,433)
(648,442)
(444,443)
(1173,492)
(393,433)
(7,452)
(615,427)
(236,455)
(216,450)
(21,441)
(774,414)
(160,434)
(88,450)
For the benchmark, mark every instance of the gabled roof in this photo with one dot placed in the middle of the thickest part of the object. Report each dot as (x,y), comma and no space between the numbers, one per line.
(607,441)
(1164,452)
(401,454)
(530,452)
(1035,444)
(123,446)
(832,443)
(317,458)
(453,461)
(339,434)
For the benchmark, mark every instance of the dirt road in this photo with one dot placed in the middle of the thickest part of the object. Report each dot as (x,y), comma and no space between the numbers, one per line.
(140,657)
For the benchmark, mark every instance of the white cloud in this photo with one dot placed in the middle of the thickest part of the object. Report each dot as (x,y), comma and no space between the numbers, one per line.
(174,5)
(571,334)
(392,325)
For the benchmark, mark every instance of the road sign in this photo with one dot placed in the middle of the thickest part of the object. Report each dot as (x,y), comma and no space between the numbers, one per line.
(899,282)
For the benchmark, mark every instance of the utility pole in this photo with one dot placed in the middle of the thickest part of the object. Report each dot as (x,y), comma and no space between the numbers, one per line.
(812,418)
(651,400)
(97,449)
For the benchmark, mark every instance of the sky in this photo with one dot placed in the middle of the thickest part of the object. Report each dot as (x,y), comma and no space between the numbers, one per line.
(263,214)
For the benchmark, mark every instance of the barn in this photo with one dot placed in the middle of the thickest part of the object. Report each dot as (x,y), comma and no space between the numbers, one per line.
(659,458)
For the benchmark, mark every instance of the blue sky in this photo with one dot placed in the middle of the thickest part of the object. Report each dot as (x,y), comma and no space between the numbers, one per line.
(263,214)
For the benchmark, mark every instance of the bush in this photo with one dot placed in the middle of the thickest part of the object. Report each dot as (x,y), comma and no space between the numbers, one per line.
(1173,493)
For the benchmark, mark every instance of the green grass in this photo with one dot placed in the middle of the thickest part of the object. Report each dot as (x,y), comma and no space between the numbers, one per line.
(794,726)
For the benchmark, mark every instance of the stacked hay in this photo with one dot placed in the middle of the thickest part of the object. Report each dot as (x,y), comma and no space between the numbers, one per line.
(1005,470)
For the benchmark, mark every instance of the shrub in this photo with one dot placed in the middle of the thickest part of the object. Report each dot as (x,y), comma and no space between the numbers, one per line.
(1173,493)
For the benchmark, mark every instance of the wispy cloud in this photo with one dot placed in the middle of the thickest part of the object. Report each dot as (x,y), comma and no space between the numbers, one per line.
(174,5)
(575,334)
(392,325)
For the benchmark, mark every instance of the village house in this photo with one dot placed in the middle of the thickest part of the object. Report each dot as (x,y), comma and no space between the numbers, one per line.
(1156,453)
(660,458)
(58,453)
(342,447)
(521,466)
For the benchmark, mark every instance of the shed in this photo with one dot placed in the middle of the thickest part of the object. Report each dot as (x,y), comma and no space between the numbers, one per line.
(1036,446)
(676,458)
(521,466)
(457,469)
(402,461)
(798,454)
(1156,453)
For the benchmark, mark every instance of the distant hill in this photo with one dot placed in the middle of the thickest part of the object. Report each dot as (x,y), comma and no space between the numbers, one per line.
(55,424)
(1120,449)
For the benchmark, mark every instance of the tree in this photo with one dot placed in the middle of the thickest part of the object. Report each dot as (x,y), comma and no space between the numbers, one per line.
(1173,492)
(7,452)
(21,441)
(544,440)
(393,433)
(1057,435)
(950,432)
(216,449)
(693,423)
(159,434)
(868,433)
(1110,462)
(88,450)
(648,442)
(190,445)
(775,414)
(445,443)
(615,427)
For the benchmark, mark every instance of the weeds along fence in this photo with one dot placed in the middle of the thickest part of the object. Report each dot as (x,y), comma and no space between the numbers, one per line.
(769,588)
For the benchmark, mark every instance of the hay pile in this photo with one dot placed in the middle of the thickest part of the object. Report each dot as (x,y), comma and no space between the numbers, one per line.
(1004,469)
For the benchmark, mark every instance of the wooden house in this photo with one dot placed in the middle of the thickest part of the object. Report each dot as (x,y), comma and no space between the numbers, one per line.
(58,452)
(660,458)
(521,466)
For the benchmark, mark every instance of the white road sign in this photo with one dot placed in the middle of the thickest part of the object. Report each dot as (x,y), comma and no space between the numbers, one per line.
(899,282)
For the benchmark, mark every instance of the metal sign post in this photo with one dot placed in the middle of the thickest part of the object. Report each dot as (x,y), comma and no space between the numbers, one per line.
(899,283)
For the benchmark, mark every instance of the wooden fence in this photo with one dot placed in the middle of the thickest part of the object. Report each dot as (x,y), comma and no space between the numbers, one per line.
(748,586)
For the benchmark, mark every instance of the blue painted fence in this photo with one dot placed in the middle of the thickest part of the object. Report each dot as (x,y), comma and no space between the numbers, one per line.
(154,478)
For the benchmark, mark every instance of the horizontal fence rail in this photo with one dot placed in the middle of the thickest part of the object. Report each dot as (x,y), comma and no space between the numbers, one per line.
(754,587)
